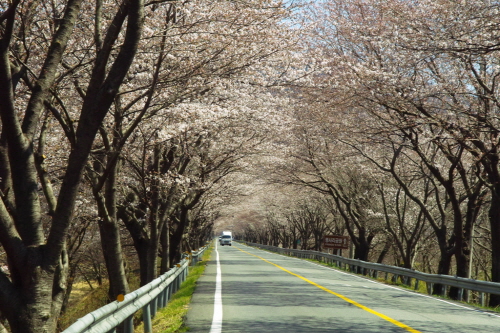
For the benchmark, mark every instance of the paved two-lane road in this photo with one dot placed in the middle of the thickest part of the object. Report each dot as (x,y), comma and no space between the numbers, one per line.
(266,292)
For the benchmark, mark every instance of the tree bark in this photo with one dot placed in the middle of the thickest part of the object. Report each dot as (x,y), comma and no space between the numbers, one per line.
(494,217)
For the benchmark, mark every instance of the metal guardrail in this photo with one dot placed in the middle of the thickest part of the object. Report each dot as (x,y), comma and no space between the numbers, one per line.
(149,298)
(196,255)
(372,269)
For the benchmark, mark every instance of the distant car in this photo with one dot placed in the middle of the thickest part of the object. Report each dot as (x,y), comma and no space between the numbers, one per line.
(225,240)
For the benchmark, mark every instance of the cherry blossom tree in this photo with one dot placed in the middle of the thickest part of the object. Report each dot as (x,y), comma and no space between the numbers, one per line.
(425,67)
(37,55)
(193,56)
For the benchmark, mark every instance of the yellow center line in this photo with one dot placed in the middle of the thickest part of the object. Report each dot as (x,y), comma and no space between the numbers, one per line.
(348,300)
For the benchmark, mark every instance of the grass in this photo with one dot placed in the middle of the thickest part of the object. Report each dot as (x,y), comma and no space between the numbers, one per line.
(84,300)
(171,319)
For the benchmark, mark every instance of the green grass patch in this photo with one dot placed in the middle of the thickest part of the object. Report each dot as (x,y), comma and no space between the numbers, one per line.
(172,317)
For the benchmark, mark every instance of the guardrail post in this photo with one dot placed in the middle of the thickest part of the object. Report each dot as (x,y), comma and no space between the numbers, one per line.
(482,299)
(173,286)
(128,325)
(169,295)
(430,285)
(146,318)
(460,294)
(164,297)
(153,306)
(159,302)
(407,280)
(416,284)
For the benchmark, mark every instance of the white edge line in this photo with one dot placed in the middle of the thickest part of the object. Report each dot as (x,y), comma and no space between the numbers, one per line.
(217,318)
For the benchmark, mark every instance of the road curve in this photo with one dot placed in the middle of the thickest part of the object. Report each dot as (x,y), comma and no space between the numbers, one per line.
(266,292)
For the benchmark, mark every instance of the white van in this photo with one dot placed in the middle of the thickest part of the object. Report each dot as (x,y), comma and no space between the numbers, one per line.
(226,238)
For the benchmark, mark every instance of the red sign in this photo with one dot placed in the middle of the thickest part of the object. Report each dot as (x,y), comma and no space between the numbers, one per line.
(336,242)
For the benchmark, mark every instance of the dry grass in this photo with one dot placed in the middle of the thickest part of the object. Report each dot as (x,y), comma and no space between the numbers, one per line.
(82,301)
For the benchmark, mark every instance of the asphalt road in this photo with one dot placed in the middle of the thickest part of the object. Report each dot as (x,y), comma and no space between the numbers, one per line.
(266,292)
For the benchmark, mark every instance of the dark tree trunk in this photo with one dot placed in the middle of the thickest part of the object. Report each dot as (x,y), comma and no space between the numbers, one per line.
(494,217)
(129,216)
(113,256)
(361,251)
(384,251)
(165,251)
(141,247)
(443,268)
(175,248)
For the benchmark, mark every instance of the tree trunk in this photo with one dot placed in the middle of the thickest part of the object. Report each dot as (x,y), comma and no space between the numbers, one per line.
(38,314)
(69,288)
(385,250)
(110,237)
(113,256)
(494,217)
(361,251)
(165,244)
(176,239)
(141,247)
(443,268)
